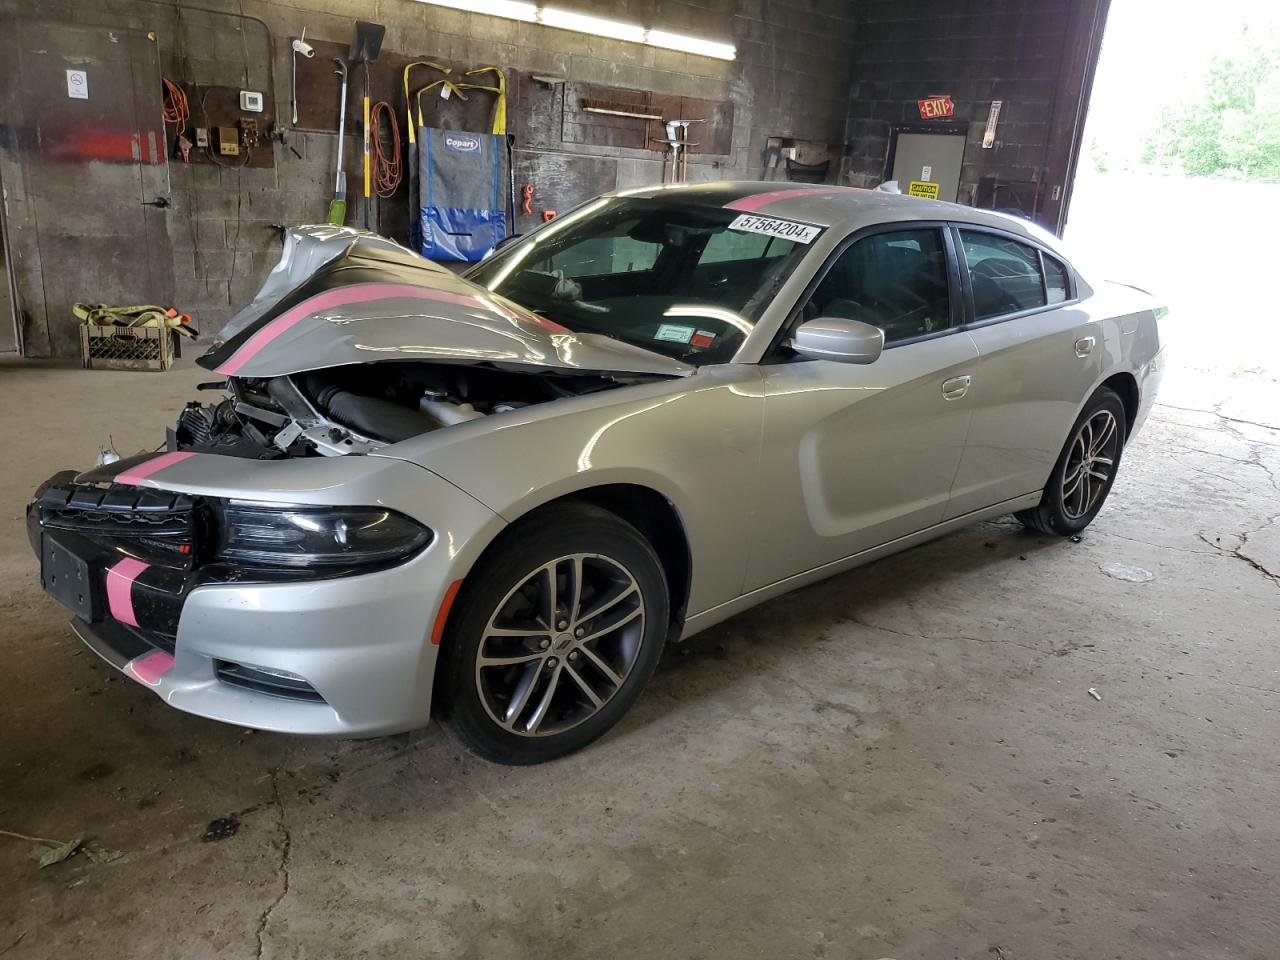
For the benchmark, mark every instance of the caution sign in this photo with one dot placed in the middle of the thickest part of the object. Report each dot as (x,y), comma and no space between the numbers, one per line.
(922,188)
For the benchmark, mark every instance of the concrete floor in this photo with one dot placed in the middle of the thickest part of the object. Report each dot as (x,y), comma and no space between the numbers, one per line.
(901,762)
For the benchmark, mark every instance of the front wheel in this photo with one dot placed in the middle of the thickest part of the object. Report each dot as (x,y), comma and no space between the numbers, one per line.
(1085,471)
(555,635)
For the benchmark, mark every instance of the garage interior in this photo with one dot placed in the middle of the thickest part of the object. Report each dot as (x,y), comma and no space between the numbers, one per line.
(995,745)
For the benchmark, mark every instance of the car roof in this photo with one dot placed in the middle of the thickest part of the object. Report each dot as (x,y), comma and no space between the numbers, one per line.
(828,205)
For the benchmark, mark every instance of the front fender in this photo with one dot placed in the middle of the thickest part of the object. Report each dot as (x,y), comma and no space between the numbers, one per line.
(694,441)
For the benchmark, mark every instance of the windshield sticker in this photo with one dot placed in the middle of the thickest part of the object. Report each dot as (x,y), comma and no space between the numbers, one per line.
(674,333)
(702,339)
(773,227)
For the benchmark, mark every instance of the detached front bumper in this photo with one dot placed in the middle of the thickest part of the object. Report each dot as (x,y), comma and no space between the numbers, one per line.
(341,656)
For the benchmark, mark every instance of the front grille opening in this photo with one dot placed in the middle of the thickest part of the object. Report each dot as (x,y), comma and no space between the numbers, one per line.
(159,526)
(274,683)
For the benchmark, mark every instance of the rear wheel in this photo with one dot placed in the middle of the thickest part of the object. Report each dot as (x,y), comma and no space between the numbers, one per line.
(555,636)
(1085,471)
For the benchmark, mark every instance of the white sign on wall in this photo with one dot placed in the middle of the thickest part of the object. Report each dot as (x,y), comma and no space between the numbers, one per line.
(926,174)
(77,84)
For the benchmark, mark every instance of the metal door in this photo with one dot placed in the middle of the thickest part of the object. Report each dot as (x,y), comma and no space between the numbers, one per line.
(92,149)
(1034,371)
(1031,377)
(856,456)
(929,158)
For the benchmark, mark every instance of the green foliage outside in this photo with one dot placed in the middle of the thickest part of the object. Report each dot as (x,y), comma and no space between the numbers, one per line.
(1232,129)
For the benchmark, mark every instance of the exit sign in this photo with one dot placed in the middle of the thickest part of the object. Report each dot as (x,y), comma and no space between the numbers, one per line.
(933,108)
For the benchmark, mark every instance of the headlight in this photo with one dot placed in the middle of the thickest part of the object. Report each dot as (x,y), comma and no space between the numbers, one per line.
(284,536)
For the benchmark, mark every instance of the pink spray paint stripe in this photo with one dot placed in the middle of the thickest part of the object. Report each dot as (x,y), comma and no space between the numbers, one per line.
(134,475)
(120,580)
(150,667)
(342,296)
(756,201)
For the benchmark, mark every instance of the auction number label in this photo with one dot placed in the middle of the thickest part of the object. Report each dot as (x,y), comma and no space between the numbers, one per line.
(773,227)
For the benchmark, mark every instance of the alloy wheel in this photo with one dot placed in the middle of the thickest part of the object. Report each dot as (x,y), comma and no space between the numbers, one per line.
(560,645)
(1090,464)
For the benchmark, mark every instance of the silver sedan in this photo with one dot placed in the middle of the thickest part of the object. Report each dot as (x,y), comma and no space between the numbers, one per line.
(496,498)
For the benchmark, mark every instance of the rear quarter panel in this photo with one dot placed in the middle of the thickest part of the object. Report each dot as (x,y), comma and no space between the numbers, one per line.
(1142,342)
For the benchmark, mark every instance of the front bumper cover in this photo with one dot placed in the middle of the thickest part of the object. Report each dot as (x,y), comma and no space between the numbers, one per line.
(359,642)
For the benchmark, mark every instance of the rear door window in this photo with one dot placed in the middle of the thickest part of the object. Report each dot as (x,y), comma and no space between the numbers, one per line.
(1055,279)
(1003,274)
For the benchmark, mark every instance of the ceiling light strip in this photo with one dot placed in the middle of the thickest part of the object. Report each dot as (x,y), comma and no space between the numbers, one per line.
(595,26)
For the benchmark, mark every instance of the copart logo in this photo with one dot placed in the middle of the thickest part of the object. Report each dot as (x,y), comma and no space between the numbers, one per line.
(462,144)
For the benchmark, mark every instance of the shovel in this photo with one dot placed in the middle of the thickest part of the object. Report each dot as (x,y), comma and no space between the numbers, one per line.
(365,45)
(338,205)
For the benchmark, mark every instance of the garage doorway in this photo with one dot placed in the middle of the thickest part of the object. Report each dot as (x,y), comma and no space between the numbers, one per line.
(1180,196)
(927,156)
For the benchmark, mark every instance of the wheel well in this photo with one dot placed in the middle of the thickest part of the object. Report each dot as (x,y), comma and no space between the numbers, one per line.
(658,522)
(1125,386)
(652,514)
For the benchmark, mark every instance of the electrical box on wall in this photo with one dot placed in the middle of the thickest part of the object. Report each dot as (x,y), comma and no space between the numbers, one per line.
(227,134)
(228,141)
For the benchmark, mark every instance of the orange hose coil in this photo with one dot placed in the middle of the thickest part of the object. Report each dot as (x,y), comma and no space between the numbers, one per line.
(176,109)
(388,169)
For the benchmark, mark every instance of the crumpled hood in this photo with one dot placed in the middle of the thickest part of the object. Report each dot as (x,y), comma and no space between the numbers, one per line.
(342,296)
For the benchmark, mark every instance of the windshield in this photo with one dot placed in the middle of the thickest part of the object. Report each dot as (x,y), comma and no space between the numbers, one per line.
(682,280)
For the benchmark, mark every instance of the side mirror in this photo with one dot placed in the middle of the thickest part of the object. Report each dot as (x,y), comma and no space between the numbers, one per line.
(834,338)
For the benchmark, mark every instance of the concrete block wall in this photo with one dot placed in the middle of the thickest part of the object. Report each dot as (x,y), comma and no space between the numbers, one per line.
(791,79)
(975,50)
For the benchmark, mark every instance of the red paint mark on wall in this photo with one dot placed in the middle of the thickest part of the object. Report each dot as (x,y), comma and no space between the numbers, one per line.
(86,144)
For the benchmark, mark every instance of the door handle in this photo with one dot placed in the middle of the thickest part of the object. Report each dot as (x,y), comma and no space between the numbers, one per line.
(956,387)
(1084,346)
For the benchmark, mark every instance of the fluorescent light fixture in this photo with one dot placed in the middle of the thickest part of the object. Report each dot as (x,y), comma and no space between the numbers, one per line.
(511,9)
(595,26)
(686,44)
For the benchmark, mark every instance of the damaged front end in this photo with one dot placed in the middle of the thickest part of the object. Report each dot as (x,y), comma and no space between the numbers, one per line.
(237,573)
(359,409)
(375,345)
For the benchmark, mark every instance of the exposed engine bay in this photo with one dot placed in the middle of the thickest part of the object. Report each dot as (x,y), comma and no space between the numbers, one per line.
(355,343)
(356,409)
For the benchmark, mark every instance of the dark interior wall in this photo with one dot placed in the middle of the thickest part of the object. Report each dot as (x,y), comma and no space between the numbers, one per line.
(791,79)
(977,51)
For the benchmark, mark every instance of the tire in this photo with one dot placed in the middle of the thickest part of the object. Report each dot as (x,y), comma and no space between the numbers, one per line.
(502,711)
(1068,507)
